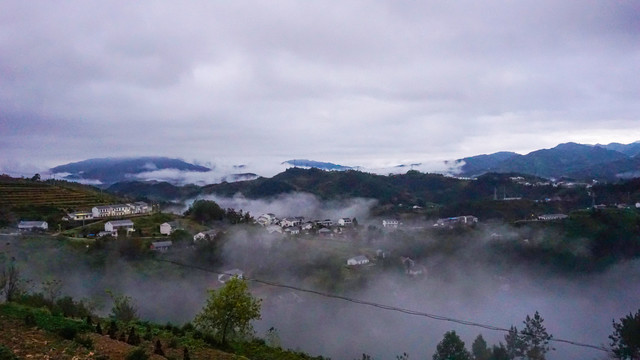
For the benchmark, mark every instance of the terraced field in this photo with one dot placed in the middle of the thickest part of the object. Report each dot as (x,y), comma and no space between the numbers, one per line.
(60,194)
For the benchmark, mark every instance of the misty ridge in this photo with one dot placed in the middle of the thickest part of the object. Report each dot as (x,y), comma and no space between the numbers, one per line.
(490,274)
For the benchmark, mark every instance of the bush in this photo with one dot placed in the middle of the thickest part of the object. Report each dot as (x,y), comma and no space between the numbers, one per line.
(6,353)
(85,341)
(30,320)
(137,354)
(68,332)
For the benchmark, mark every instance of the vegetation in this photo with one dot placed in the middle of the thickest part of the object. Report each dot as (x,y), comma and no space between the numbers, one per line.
(625,340)
(451,348)
(229,311)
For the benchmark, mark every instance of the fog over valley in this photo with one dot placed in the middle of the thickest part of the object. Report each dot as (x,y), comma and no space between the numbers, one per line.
(468,275)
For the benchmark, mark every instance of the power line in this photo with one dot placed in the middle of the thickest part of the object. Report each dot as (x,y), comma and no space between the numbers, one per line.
(378,305)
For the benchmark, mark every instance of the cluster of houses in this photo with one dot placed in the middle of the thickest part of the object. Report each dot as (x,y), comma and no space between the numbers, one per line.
(298,224)
(115,210)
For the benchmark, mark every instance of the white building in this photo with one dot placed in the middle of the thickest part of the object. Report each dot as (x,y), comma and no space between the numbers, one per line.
(32,225)
(549,217)
(345,222)
(115,225)
(266,219)
(358,260)
(80,215)
(288,222)
(390,223)
(139,207)
(228,274)
(168,227)
(205,235)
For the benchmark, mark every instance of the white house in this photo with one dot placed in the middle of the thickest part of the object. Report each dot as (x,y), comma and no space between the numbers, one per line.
(228,274)
(168,227)
(274,228)
(467,220)
(140,207)
(80,215)
(294,230)
(345,222)
(325,222)
(550,217)
(205,235)
(32,225)
(288,222)
(115,225)
(358,260)
(266,219)
(307,226)
(390,223)
(161,246)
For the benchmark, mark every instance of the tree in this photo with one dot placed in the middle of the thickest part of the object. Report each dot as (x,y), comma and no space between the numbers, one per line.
(499,352)
(229,311)
(515,346)
(451,348)
(205,211)
(10,282)
(36,177)
(479,349)
(625,340)
(535,338)
(123,308)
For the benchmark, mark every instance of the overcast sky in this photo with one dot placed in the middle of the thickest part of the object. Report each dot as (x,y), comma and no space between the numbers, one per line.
(354,82)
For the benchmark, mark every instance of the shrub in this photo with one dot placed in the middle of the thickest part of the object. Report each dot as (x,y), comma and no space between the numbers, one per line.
(6,353)
(68,332)
(85,341)
(30,320)
(137,354)
(173,343)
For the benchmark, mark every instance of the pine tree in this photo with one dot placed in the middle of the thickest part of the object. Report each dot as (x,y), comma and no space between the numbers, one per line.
(451,348)
(535,338)
(479,349)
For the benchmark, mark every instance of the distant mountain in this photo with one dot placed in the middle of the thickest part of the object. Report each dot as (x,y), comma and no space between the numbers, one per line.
(565,160)
(632,149)
(316,164)
(476,165)
(112,170)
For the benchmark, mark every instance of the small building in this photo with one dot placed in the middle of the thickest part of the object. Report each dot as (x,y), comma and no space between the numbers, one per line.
(325,222)
(467,220)
(140,207)
(274,228)
(551,217)
(358,260)
(205,235)
(266,219)
(161,246)
(228,274)
(26,225)
(115,225)
(80,215)
(390,223)
(345,222)
(307,226)
(325,232)
(168,227)
(289,222)
(294,230)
